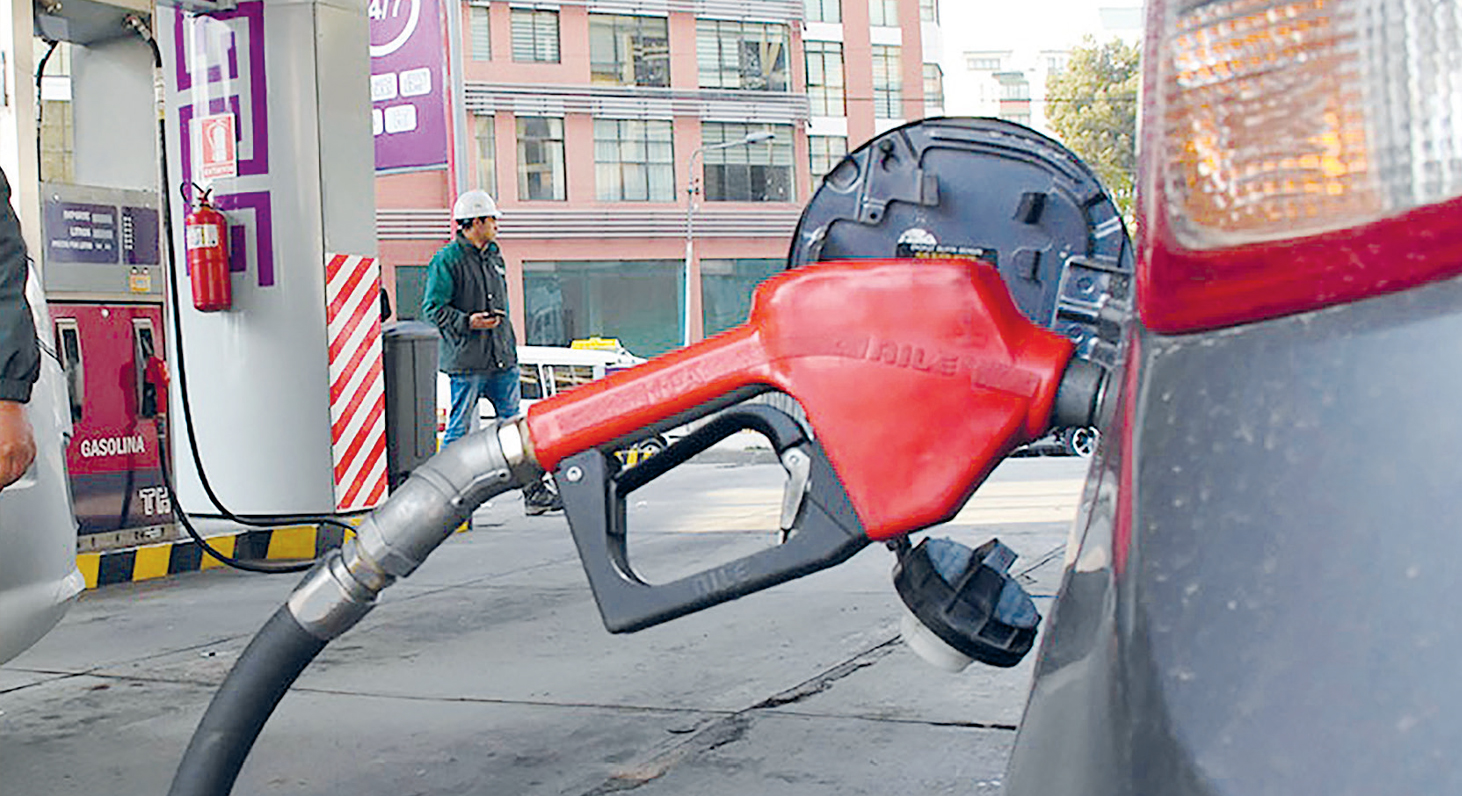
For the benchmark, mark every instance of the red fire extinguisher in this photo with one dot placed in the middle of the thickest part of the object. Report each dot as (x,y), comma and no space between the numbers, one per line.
(207,233)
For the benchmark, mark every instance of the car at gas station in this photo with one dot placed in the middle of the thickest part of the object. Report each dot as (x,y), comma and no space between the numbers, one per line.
(1255,597)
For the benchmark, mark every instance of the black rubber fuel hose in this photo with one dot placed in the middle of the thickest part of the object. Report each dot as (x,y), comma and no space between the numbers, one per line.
(258,680)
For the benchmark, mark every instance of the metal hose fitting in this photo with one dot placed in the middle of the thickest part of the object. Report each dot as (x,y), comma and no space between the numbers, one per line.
(398,536)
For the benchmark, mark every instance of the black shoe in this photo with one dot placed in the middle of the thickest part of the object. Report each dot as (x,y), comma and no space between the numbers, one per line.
(534,508)
(541,501)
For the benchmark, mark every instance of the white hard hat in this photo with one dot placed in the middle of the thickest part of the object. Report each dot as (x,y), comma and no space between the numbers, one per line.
(474,204)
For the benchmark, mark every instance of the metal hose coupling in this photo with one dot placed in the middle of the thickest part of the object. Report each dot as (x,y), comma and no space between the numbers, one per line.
(420,514)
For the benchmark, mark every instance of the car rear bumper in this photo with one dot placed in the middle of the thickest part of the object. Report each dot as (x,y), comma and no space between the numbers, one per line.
(1259,600)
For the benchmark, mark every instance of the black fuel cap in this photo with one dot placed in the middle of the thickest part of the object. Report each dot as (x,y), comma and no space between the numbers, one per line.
(968,600)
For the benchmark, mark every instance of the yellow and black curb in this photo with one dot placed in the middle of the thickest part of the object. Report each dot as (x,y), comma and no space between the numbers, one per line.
(171,558)
(629,457)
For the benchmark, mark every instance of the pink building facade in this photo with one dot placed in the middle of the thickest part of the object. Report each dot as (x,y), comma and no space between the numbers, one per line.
(589,122)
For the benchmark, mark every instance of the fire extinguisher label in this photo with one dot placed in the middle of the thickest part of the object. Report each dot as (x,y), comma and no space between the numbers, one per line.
(202,236)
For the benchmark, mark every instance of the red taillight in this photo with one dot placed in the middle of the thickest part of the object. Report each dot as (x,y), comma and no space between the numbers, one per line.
(1297,154)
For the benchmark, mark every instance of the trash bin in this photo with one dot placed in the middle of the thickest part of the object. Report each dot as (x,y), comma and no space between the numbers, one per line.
(410,353)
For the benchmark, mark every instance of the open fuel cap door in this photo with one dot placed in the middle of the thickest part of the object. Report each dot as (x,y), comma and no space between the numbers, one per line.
(988,190)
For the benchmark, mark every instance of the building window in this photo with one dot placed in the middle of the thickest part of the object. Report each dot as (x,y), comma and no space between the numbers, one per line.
(629,51)
(410,288)
(883,13)
(486,134)
(933,90)
(824,11)
(982,63)
(825,78)
(760,172)
(929,10)
(535,35)
(1015,89)
(1056,62)
(640,302)
(888,89)
(634,160)
(741,55)
(540,158)
(727,287)
(824,152)
(479,30)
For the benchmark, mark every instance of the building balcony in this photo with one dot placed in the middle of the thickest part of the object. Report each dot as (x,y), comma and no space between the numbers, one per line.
(603,221)
(629,102)
(766,10)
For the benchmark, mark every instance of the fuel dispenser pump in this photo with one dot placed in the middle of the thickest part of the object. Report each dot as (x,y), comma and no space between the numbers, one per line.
(917,376)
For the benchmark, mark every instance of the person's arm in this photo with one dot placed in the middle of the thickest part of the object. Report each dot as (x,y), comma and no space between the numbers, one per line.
(20,359)
(17,443)
(436,301)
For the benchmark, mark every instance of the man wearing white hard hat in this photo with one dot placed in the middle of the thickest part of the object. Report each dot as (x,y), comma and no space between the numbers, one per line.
(467,299)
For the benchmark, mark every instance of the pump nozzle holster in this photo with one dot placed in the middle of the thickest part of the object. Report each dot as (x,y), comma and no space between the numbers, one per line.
(917,378)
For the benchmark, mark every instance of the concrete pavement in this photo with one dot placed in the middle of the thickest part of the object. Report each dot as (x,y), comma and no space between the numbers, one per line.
(488,671)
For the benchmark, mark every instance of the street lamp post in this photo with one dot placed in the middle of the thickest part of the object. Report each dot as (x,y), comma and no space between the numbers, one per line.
(691,189)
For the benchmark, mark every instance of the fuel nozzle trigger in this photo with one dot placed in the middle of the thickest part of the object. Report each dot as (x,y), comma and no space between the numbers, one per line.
(819,526)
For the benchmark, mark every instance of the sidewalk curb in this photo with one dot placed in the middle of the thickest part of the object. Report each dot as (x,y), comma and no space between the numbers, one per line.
(293,542)
(298,542)
(725,456)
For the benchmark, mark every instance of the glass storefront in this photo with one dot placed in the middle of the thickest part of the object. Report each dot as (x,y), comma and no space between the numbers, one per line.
(727,287)
(637,301)
(410,287)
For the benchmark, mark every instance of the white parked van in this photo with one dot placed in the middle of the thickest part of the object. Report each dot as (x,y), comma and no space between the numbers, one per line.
(549,370)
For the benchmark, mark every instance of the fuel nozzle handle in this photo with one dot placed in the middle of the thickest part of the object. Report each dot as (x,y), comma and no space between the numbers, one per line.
(917,377)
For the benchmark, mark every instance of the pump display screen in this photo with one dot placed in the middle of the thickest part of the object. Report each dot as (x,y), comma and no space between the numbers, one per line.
(81,233)
(100,242)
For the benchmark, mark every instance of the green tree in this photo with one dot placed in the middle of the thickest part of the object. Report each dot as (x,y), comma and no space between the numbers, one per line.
(1091,107)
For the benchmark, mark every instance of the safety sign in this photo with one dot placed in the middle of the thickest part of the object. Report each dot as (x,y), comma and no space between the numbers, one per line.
(217,147)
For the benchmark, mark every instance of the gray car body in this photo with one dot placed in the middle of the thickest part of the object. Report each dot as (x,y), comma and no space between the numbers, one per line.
(1279,619)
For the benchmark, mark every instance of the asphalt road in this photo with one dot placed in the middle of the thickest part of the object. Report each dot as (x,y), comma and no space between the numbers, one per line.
(488,671)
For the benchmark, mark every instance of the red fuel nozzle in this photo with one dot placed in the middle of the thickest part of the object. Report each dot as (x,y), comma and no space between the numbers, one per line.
(917,376)
(155,377)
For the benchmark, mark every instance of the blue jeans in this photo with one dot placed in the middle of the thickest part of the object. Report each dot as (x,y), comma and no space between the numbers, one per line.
(500,387)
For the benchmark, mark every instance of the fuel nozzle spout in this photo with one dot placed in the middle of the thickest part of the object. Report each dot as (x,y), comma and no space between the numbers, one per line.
(1079,396)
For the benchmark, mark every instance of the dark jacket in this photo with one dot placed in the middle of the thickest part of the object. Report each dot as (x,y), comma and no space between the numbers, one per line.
(20,357)
(461,280)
